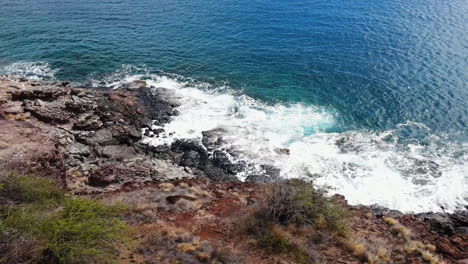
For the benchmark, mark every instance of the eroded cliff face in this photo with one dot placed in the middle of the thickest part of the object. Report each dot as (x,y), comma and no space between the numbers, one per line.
(186,206)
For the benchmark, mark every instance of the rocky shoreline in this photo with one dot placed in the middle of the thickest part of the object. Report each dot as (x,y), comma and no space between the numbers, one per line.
(98,131)
(90,140)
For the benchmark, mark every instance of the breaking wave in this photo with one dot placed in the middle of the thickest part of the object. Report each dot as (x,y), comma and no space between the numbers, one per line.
(407,168)
(38,70)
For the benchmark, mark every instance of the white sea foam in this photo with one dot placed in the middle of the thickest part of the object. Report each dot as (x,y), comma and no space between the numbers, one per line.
(38,70)
(367,167)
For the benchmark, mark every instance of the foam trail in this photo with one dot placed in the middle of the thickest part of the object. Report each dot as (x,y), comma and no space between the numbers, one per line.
(38,70)
(367,167)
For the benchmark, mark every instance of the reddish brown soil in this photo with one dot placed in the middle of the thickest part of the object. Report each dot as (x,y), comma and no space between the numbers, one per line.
(218,220)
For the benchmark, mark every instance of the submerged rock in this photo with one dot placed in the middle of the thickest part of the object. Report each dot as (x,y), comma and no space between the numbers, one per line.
(269,173)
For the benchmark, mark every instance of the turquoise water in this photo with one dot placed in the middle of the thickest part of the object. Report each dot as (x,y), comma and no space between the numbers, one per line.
(390,77)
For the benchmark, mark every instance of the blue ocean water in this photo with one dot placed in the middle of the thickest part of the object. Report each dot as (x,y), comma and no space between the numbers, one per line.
(377,88)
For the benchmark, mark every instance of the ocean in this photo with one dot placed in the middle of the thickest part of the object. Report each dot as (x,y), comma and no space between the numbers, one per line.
(369,97)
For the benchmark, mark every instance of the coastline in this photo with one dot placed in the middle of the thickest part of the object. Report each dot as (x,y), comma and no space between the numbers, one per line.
(90,141)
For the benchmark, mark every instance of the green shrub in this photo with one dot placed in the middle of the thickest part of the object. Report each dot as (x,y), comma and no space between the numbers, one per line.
(275,241)
(40,216)
(83,229)
(29,189)
(300,203)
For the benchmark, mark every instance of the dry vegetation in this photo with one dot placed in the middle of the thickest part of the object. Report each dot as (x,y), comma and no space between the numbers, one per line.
(291,215)
(193,221)
(167,244)
(426,251)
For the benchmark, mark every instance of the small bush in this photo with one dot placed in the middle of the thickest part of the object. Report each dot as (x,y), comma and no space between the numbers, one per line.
(83,229)
(300,203)
(276,240)
(29,189)
(294,205)
(16,247)
(38,217)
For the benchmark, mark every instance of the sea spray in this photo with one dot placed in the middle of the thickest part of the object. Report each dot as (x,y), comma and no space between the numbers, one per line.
(393,168)
(409,167)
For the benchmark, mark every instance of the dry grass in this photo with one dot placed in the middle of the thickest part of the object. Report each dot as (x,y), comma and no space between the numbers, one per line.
(166,187)
(3,144)
(368,252)
(20,118)
(423,250)
(169,244)
(186,247)
(401,230)
(383,255)
(359,250)
(397,227)
(411,247)
(430,247)
(203,256)
(145,205)
(390,220)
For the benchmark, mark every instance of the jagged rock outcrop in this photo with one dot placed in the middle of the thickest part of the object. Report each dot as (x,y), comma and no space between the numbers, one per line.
(96,131)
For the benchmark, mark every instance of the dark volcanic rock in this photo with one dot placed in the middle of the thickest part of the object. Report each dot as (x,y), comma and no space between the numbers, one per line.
(155,149)
(217,166)
(160,103)
(88,122)
(221,160)
(460,218)
(269,174)
(258,178)
(184,145)
(217,174)
(47,93)
(190,158)
(439,222)
(158,131)
(134,133)
(212,139)
(100,137)
(175,198)
(118,152)
(102,177)
(379,210)
(271,171)
(53,115)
